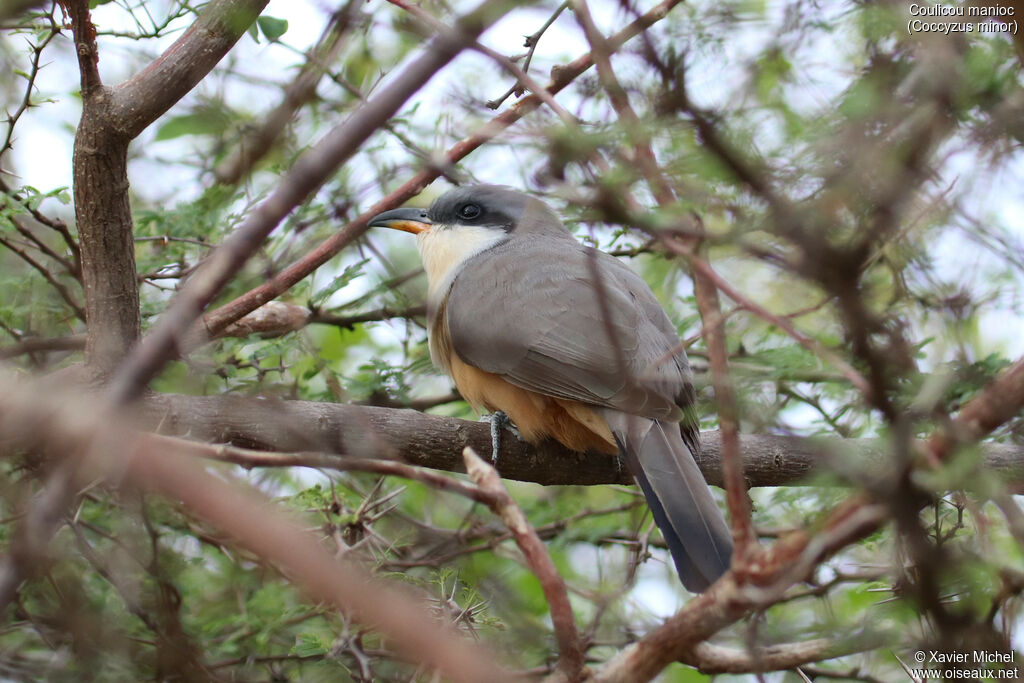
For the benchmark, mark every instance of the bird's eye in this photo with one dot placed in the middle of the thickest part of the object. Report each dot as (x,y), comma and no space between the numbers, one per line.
(469,211)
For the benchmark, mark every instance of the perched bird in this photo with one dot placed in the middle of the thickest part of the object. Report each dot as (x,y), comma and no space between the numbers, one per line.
(570,344)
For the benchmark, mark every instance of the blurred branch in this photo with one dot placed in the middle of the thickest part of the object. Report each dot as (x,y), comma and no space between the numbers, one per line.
(250,459)
(713,331)
(69,426)
(168,338)
(259,141)
(560,77)
(75,342)
(714,659)
(12,8)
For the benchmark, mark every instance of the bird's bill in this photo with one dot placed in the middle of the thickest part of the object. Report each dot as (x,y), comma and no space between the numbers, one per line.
(407,220)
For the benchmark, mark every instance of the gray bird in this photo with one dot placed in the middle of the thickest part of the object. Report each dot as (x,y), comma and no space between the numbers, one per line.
(571,345)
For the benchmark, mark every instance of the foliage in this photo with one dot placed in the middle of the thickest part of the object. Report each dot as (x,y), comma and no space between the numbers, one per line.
(852,180)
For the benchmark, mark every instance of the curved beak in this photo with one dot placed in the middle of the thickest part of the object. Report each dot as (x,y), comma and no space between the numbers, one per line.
(409,220)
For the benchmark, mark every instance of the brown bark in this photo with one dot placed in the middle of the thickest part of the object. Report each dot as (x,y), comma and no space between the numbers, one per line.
(68,426)
(111,118)
(437,442)
(104,218)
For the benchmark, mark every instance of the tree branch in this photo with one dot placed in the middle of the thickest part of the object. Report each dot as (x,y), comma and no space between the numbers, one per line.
(74,342)
(560,77)
(437,442)
(145,97)
(570,659)
(713,331)
(67,425)
(310,171)
(715,659)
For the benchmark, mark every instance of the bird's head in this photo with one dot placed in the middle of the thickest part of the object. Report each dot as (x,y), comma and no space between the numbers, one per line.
(476,208)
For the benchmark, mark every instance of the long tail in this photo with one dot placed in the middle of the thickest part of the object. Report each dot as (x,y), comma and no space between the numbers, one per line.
(679,498)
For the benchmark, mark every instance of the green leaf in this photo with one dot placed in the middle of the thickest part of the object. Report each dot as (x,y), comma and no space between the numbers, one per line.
(350,273)
(310,645)
(272,27)
(202,122)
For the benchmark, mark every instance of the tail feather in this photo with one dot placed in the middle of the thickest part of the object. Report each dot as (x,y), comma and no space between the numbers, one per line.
(679,498)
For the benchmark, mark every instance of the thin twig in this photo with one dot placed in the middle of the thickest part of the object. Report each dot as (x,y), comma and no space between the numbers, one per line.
(713,330)
(309,173)
(289,276)
(260,140)
(531,43)
(64,292)
(570,661)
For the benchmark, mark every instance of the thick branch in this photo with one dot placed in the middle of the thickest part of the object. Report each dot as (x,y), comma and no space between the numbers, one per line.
(309,173)
(437,442)
(715,659)
(111,117)
(67,426)
(139,101)
(794,556)
(74,342)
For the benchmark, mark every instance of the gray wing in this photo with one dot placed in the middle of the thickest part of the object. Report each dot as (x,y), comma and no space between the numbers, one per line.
(530,310)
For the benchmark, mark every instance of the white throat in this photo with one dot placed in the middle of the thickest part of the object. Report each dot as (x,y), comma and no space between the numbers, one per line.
(444,250)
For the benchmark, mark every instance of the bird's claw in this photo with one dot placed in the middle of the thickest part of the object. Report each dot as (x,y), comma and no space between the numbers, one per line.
(498,421)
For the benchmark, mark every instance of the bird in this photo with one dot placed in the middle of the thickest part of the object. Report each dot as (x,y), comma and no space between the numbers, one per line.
(571,345)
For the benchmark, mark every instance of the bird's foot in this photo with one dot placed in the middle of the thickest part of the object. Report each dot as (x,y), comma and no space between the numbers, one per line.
(498,421)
